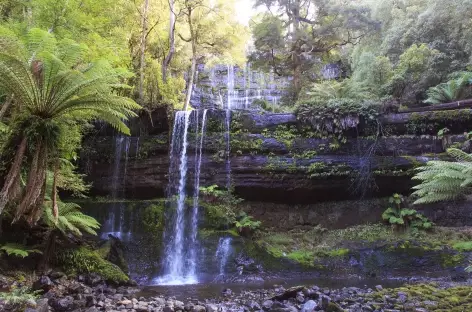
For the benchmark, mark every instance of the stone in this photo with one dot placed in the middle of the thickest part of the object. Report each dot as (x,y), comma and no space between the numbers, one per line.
(199,308)
(92,309)
(42,305)
(325,301)
(379,287)
(289,293)
(90,301)
(309,306)
(44,283)
(334,307)
(211,308)
(93,279)
(300,298)
(56,274)
(62,305)
(117,297)
(227,292)
(267,304)
(179,305)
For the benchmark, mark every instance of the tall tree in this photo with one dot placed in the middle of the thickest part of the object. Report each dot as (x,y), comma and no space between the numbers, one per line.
(170,53)
(142,61)
(295,35)
(54,90)
(212,32)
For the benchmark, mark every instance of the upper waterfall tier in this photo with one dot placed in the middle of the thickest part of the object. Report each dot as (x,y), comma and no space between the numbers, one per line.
(232,87)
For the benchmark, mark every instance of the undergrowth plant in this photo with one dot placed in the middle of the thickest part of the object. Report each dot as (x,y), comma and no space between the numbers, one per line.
(246,224)
(18,250)
(402,218)
(18,298)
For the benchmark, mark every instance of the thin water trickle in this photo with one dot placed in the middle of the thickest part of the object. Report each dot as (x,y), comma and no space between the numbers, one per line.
(223,252)
(193,244)
(230,86)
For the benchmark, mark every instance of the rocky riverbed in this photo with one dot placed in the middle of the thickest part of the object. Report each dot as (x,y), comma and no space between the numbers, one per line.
(90,294)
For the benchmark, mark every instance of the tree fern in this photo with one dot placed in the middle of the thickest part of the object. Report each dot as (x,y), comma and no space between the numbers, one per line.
(453,90)
(18,250)
(70,220)
(52,89)
(443,180)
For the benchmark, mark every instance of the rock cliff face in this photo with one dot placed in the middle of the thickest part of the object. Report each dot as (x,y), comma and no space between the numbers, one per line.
(273,159)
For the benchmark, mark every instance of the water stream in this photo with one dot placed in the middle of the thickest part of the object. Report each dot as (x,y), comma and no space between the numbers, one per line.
(182,246)
(114,223)
(223,252)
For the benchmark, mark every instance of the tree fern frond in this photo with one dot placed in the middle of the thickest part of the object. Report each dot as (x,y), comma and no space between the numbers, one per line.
(459,155)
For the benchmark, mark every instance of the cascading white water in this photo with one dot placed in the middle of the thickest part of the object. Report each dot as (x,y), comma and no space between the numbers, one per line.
(230,86)
(223,251)
(114,222)
(193,244)
(175,271)
(180,265)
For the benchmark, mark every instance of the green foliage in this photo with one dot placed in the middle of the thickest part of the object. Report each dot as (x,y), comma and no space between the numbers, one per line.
(18,298)
(18,250)
(335,117)
(455,299)
(70,220)
(283,134)
(247,222)
(84,260)
(404,218)
(463,246)
(453,90)
(444,180)
(321,93)
(288,28)
(153,218)
(220,207)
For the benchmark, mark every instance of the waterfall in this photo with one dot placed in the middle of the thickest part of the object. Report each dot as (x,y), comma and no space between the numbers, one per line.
(114,222)
(174,264)
(223,251)
(180,263)
(193,244)
(230,85)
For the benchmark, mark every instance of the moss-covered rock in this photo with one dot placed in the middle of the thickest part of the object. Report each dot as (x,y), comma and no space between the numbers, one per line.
(84,260)
(430,297)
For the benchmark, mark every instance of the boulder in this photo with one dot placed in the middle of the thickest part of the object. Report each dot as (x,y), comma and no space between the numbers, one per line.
(309,306)
(44,283)
(62,304)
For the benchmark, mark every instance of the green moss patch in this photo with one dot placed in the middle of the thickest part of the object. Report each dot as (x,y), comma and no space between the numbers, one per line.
(84,260)
(430,297)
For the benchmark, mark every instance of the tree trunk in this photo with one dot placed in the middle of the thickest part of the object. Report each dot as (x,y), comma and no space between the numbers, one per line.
(13,175)
(43,265)
(440,107)
(55,208)
(6,106)
(143,52)
(297,64)
(33,200)
(170,55)
(193,68)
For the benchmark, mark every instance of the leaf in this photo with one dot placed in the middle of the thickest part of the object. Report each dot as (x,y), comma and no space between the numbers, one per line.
(18,250)
(395,220)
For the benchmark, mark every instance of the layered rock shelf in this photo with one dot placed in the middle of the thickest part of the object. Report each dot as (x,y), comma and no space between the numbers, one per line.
(273,159)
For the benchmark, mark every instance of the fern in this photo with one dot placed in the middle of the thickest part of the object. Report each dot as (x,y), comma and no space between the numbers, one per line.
(18,298)
(443,180)
(453,90)
(70,219)
(18,250)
